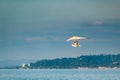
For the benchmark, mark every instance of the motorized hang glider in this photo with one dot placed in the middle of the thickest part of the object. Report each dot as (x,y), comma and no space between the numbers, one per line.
(75,40)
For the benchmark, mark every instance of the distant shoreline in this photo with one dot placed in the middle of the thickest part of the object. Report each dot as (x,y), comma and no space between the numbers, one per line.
(81,62)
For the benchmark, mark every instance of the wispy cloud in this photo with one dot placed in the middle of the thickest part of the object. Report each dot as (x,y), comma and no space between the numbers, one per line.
(43,38)
(97,23)
(34,39)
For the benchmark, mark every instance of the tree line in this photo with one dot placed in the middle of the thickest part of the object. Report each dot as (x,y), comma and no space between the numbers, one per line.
(90,61)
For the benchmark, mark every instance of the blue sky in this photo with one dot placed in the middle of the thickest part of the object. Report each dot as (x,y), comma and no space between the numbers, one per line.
(38,29)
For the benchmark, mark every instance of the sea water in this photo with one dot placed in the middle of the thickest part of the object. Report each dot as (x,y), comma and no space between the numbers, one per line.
(59,74)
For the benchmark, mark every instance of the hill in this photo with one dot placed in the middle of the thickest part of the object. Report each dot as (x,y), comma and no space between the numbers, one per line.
(89,61)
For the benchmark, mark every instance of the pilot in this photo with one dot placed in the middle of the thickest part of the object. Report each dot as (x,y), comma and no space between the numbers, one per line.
(76,43)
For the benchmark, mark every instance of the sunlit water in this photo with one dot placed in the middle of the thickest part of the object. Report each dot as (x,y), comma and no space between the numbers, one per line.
(59,74)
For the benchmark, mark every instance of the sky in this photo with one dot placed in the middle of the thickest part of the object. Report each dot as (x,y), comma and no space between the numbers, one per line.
(38,29)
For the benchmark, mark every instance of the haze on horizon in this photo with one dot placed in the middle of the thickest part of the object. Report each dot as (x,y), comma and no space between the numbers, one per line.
(38,29)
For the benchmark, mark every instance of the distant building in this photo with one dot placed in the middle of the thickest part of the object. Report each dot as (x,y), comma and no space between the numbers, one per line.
(101,67)
(25,66)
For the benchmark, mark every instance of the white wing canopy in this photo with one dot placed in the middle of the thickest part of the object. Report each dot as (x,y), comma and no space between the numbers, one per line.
(76,38)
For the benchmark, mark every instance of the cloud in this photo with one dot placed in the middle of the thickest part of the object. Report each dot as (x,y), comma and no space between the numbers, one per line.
(44,38)
(97,23)
(29,39)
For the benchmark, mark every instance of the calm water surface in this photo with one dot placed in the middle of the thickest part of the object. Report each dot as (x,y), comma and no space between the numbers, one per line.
(59,74)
